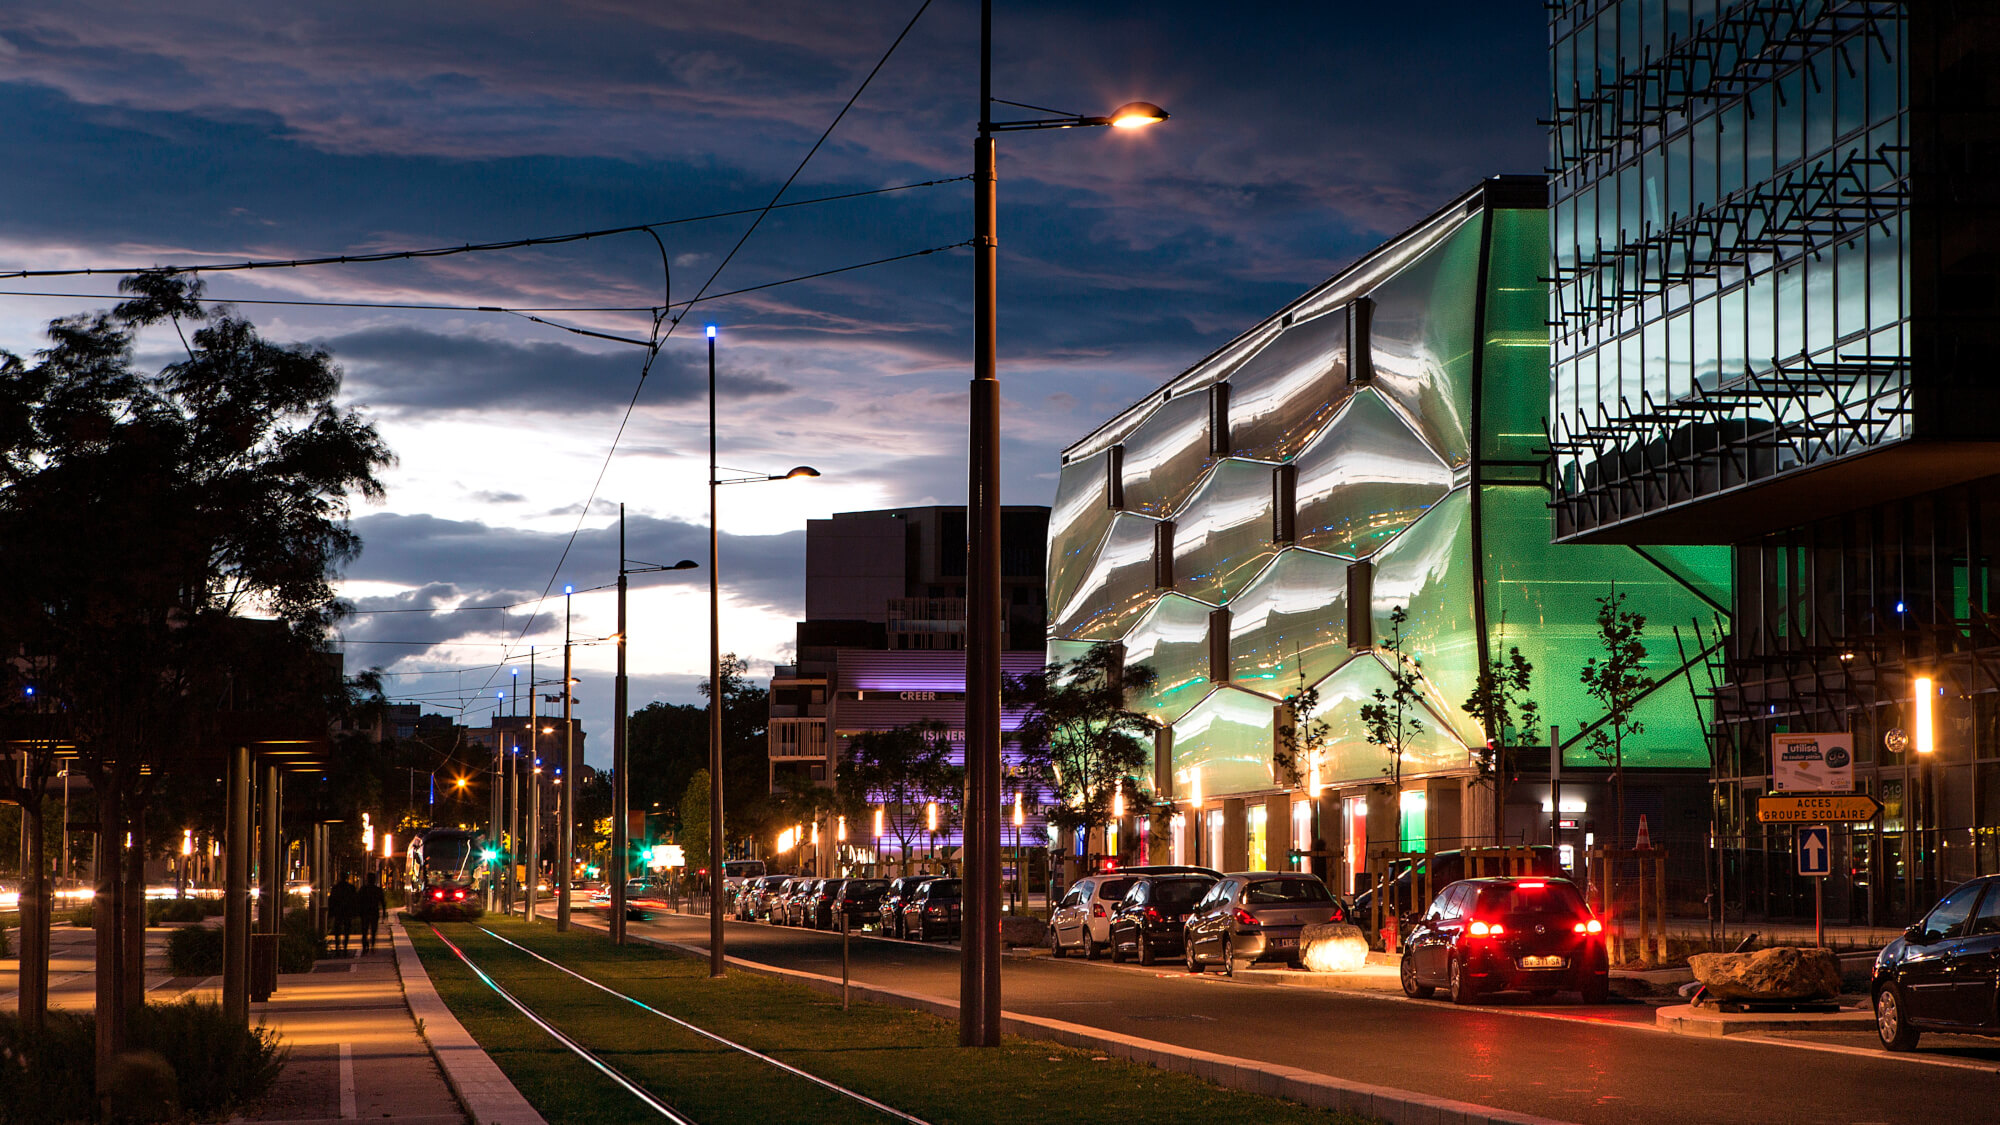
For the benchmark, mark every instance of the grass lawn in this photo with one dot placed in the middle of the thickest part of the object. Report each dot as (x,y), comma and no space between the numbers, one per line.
(906,1059)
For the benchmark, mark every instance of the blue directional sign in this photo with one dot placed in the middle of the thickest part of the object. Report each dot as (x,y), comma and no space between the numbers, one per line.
(1815,849)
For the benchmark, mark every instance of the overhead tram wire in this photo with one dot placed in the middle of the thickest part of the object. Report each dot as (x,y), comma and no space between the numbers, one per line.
(470,247)
(675,322)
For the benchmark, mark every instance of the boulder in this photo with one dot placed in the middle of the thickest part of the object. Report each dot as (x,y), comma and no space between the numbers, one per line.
(1333,947)
(1782,973)
(1018,929)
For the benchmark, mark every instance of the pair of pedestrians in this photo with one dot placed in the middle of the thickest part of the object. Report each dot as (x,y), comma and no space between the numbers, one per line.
(350,908)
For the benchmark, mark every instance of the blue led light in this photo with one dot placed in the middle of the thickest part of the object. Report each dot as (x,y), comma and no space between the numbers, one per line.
(711,331)
(1899,607)
(569,589)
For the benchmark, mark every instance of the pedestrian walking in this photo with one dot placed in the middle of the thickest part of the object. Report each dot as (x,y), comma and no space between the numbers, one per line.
(370,904)
(340,911)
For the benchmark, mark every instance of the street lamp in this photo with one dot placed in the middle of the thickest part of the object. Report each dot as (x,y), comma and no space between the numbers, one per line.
(716,903)
(621,793)
(979,965)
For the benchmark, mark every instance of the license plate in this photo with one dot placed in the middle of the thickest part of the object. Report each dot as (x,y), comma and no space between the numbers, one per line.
(1541,962)
(1283,942)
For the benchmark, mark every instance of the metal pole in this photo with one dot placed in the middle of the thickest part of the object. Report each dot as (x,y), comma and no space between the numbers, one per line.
(621,793)
(1555,789)
(236,894)
(495,810)
(979,965)
(566,787)
(534,824)
(716,955)
(271,912)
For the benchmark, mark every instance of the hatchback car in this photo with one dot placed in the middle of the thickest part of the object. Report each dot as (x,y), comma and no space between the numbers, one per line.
(750,894)
(1943,974)
(771,904)
(819,904)
(860,901)
(1082,920)
(795,902)
(893,900)
(1149,921)
(933,910)
(1253,916)
(1496,935)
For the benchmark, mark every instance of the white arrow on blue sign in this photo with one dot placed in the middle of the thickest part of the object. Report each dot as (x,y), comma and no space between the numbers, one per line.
(1815,849)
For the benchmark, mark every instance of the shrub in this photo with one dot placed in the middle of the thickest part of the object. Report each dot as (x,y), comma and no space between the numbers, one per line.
(299,944)
(164,910)
(83,917)
(195,951)
(218,1064)
(47,1077)
(6,944)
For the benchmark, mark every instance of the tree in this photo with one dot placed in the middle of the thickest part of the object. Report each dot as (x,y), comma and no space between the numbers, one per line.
(1618,682)
(694,825)
(1501,702)
(143,518)
(1300,734)
(668,742)
(902,771)
(1077,739)
(1394,719)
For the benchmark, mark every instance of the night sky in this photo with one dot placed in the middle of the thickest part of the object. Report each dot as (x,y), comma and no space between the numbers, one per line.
(141,134)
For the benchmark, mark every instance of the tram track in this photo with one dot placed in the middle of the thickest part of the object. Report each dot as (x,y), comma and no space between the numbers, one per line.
(626,1082)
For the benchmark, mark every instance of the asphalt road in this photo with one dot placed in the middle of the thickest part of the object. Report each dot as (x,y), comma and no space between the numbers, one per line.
(1561,1061)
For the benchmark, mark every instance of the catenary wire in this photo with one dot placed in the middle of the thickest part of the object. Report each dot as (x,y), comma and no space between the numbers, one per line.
(471,247)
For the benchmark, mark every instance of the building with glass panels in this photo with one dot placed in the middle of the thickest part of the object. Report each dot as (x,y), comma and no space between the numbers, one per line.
(1247,531)
(1776,262)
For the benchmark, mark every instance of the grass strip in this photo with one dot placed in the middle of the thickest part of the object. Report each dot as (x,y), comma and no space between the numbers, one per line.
(906,1059)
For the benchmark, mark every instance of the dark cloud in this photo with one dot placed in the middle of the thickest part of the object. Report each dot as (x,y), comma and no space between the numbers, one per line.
(408,368)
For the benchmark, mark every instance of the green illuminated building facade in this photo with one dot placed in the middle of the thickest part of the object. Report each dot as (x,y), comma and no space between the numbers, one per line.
(1248,530)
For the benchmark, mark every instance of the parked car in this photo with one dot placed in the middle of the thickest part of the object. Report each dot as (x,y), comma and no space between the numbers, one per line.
(1496,935)
(795,901)
(1150,919)
(819,904)
(1082,919)
(744,906)
(772,904)
(860,900)
(933,910)
(893,900)
(1944,972)
(1253,916)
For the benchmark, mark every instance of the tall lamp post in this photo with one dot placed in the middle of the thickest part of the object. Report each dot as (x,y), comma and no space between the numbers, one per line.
(566,793)
(621,793)
(716,899)
(979,966)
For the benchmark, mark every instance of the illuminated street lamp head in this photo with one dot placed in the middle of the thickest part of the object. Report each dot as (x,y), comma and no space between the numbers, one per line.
(569,589)
(801,471)
(1137,115)
(460,782)
(711,331)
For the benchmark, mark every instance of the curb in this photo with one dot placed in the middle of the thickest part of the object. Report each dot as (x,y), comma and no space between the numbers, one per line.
(481,1088)
(1320,1091)
(1686,1019)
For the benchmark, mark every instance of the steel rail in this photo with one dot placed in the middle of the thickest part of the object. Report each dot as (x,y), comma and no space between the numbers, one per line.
(752,1052)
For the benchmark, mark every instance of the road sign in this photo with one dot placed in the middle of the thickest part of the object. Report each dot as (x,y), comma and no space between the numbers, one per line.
(1815,849)
(1812,808)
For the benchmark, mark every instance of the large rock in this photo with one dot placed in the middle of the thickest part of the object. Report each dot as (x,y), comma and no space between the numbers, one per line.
(1783,973)
(1018,929)
(1333,947)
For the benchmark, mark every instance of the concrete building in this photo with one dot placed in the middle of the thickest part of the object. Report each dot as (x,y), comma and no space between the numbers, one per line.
(1777,299)
(1378,444)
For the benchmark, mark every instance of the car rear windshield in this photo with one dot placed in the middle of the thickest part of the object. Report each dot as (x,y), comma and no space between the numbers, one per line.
(1114,889)
(859,886)
(943,888)
(1553,897)
(1276,892)
(1180,894)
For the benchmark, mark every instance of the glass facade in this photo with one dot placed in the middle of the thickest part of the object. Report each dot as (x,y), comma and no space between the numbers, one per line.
(1731,248)
(1380,439)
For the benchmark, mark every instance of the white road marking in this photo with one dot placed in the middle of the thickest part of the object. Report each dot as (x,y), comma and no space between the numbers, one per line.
(347,1081)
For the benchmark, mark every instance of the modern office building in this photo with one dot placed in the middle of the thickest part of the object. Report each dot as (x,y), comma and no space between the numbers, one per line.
(1378,444)
(1776,256)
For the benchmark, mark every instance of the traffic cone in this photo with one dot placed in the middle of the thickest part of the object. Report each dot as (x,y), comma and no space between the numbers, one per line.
(1645,840)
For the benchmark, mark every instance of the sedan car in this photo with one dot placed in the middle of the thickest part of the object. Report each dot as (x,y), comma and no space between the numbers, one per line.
(933,910)
(1150,919)
(893,899)
(1253,916)
(1082,920)
(1943,974)
(1495,935)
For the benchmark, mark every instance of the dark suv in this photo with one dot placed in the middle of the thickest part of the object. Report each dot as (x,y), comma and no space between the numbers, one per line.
(1944,972)
(1497,935)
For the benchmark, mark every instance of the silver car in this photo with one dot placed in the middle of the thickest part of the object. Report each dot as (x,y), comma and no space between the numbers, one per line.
(1255,916)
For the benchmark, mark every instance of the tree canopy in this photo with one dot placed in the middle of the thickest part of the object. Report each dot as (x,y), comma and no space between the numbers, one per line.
(1077,738)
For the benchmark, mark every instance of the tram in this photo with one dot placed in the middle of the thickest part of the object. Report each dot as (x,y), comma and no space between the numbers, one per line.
(444,872)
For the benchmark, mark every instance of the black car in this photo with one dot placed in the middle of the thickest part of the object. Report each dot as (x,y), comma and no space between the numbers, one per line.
(860,900)
(891,910)
(1148,921)
(933,911)
(1943,974)
(819,904)
(1499,935)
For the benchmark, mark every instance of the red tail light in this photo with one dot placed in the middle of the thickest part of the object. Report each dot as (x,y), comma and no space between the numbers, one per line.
(437,896)
(1245,918)
(1593,926)
(1487,929)
(1153,914)
(1097,910)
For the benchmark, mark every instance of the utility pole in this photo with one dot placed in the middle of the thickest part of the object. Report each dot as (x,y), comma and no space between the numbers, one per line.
(621,766)
(566,785)
(534,825)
